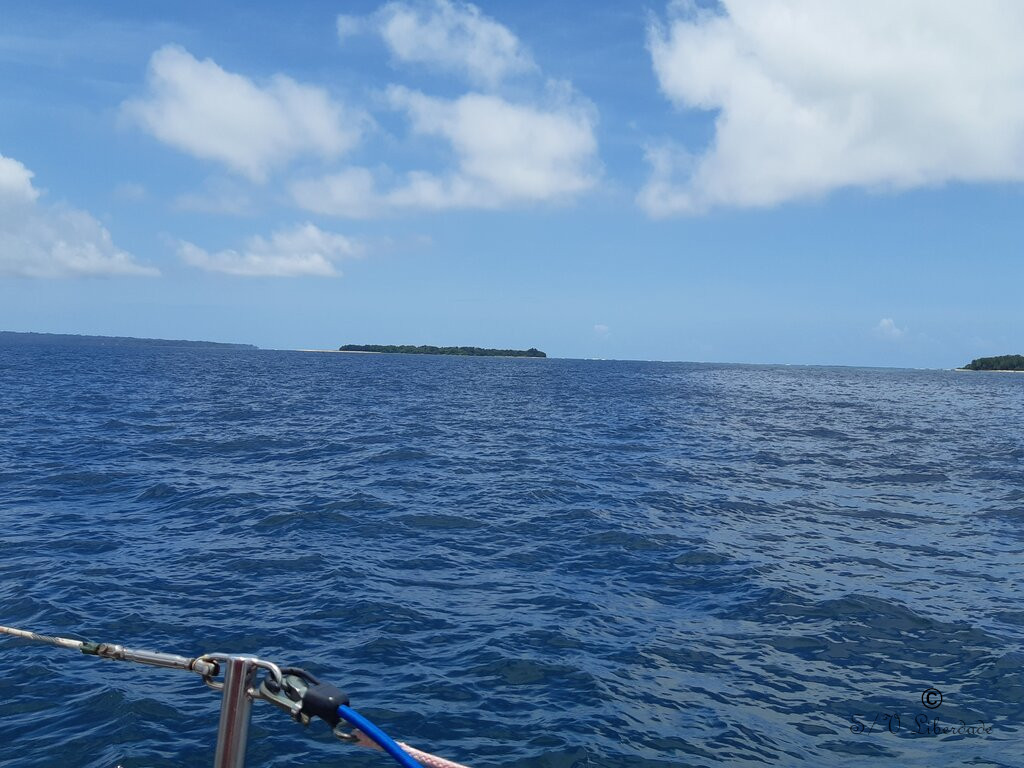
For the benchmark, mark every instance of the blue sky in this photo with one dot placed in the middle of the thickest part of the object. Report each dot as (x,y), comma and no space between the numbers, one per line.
(773,181)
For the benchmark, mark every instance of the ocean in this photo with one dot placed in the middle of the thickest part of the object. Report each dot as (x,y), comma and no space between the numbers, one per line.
(515,562)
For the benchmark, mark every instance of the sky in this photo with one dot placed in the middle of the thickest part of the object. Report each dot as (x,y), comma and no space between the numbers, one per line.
(760,181)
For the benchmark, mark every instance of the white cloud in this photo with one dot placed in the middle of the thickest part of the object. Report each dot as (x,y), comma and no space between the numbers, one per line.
(505,154)
(451,36)
(351,193)
(206,111)
(817,95)
(302,251)
(538,147)
(38,240)
(601,329)
(664,193)
(16,182)
(887,329)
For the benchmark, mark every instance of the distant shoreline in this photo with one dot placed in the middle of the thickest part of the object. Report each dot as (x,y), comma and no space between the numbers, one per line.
(415,354)
(340,351)
(84,340)
(987,370)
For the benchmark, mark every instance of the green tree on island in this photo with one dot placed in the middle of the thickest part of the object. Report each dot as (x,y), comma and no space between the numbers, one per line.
(408,349)
(1000,363)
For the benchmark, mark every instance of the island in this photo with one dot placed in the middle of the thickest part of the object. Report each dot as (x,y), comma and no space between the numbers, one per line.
(15,338)
(408,349)
(1000,363)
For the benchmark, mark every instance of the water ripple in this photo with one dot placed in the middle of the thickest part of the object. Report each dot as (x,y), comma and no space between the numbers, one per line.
(538,564)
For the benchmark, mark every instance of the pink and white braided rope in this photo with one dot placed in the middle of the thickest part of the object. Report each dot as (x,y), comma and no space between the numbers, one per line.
(423,758)
(428,760)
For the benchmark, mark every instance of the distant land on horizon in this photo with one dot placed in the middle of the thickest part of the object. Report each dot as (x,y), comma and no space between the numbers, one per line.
(999,363)
(64,339)
(425,349)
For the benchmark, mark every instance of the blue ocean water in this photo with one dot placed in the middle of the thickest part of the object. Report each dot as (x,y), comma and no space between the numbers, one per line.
(529,563)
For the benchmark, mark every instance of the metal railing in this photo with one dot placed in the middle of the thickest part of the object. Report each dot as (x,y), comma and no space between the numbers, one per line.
(292,689)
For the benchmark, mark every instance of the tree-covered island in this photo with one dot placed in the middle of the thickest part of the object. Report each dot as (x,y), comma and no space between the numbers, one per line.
(1000,363)
(407,349)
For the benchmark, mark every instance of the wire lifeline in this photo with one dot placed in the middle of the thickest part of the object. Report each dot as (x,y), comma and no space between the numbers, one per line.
(119,652)
(60,642)
(386,743)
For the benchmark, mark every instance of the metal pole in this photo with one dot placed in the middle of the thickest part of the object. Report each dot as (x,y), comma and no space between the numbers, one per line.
(233,731)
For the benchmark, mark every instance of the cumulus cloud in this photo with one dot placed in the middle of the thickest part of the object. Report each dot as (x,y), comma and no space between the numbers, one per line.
(538,147)
(305,250)
(201,109)
(451,36)
(351,193)
(39,240)
(817,95)
(16,182)
(506,153)
(888,329)
(601,329)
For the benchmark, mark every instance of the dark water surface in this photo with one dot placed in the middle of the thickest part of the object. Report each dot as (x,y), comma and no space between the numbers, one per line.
(530,563)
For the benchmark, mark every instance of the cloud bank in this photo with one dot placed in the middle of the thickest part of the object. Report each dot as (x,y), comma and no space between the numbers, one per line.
(537,148)
(817,95)
(43,241)
(505,154)
(201,109)
(303,251)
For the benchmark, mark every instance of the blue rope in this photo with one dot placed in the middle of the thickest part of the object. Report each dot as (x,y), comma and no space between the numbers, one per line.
(386,742)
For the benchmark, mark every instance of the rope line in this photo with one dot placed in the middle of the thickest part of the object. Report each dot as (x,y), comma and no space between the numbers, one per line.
(429,760)
(384,741)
